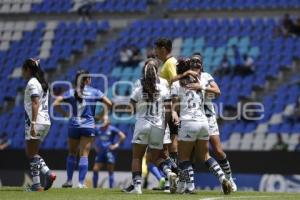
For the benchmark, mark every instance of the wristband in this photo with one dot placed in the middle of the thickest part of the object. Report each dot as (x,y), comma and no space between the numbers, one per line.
(33,122)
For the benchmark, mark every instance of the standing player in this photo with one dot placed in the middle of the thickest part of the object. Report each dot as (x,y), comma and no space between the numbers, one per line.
(163,49)
(37,122)
(208,84)
(151,101)
(82,99)
(105,147)
(193,132)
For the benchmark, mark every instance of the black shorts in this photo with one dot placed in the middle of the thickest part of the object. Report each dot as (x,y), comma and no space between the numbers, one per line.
(173,128)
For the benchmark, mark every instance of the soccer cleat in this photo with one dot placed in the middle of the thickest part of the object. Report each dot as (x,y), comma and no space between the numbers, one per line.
(233,185)
(180,187)
(187,191)
(128,189)
(162,182)
(133,189)
(167,189)
(81,186)
(67,184)
(34,188)
(173,182)
(226,186)
(51,176)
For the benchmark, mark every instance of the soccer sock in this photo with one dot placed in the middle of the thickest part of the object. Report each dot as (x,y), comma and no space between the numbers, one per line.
(83,168)
(225,165)
(190,183)
(137,178)
(43,166)
(174,157)
(165,167)
(35,170)
(172,165)
(95,179)
(215,168)
(155,171)
(111,179)
(71,163)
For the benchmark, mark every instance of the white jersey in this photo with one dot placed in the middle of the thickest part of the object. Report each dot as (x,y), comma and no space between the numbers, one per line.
(191,103)
(152,112)
(34,88)
(205,80)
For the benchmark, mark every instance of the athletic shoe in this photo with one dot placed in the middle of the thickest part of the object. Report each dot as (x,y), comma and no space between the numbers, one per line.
(173,182)
(81,186)
(167,189)
(226,186)
(233,185)
(67,184)
(187,191)
(133,189)
(51,176)
(180,187)
(34,188)
(162,183)
(128,189)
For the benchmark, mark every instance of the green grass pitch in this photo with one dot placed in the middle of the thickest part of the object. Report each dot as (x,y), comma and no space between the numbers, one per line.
(14,193)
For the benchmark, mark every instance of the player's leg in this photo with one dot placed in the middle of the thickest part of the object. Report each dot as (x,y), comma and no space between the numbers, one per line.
(73,144)
(96,168)
(111,160)
(222,159)
(212,164)
(138,152)
(85,146)
(32,149)
(173,146)
(111,178)
(186,173)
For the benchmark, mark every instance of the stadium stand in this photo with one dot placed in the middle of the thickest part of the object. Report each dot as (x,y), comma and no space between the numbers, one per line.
(58,40)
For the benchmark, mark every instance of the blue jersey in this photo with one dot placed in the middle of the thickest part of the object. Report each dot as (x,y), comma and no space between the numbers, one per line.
(83,113)
(105,138)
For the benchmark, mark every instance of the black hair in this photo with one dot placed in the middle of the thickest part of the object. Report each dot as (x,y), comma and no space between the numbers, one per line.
(149,79)
(184,65)
(164,42)
(37,72)
(81,77)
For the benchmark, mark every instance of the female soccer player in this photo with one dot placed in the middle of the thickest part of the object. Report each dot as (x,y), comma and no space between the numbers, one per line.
(151,101)
(105,147)
(82,100)
(37,122)
(208,84)
(193,133)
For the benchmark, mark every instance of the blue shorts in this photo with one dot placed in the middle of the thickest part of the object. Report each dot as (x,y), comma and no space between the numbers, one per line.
(106,157)
(76,133)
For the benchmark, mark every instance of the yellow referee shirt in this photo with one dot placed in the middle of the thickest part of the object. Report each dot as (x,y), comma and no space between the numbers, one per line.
(168,70)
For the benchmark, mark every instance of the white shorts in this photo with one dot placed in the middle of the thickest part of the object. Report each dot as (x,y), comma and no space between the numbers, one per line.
(41,131)
(148,134)
(213,126)
(191,131)
(167,137)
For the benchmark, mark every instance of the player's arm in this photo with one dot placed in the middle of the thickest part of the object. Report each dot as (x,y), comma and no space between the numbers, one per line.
(122,137)
(213,88)
(35,104)
(168,111)
(58,106)
(106,109)
(174,108)
(185,74)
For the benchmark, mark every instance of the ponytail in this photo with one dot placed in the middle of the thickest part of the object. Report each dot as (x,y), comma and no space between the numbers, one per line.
(149,79)
(79,84)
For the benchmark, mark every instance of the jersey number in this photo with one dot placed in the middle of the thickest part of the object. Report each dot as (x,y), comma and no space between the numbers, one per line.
(152,109)
(191,102)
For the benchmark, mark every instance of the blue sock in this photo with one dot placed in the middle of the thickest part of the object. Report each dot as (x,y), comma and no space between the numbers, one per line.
(154,170)
(83,168)
(71,163)
(111,179)
(95,179)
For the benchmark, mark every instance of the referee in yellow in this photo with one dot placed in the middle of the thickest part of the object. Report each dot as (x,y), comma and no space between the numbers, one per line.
(163,49)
